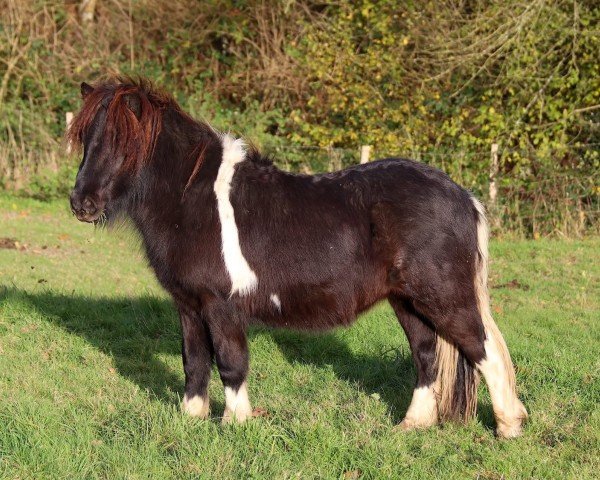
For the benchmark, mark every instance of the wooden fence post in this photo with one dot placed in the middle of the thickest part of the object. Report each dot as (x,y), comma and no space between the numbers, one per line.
(87,9)
(335,158)
(493,187)
(365,151)
(68,120)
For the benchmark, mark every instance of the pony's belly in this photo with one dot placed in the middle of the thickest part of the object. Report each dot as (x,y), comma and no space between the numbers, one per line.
(310,306)
(317,321)
(309,309)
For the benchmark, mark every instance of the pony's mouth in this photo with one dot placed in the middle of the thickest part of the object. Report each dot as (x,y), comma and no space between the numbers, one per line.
(95,216)
(88,209)
(90,217)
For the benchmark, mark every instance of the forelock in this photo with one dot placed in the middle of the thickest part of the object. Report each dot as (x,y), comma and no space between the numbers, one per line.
(130,136)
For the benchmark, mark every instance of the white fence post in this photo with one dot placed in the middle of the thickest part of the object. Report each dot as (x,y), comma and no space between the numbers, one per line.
(493,187)
(68,121)
(365,152)
(87,9)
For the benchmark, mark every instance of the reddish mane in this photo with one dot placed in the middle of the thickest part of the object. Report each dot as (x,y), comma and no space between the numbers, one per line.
(130,136)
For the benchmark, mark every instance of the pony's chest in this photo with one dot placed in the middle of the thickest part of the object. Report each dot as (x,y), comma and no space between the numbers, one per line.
(186,259)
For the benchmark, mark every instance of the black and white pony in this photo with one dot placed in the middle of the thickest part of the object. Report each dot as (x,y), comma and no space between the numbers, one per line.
(234,240)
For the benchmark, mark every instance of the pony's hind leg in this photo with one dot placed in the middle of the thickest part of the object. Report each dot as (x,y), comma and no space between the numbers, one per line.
(496,365)
(445,279)
(497,369)
(423,410)
(466,333)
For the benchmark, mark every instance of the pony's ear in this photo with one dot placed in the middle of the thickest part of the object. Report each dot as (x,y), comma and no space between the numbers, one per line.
(134,102)
(86,89)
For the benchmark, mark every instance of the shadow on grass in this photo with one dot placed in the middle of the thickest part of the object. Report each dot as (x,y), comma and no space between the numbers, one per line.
(131,331)
(134,332)
(390,374)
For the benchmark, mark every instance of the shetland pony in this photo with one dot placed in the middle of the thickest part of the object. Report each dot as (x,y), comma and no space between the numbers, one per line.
(235,240)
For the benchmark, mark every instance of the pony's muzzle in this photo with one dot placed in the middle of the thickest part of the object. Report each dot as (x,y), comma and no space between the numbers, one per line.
(84,207)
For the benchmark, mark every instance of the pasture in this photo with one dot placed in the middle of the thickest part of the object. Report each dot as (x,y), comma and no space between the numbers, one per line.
(91,376)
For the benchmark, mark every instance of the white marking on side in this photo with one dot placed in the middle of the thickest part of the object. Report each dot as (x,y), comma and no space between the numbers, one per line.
(195,406)
(237,404)
(276,301)
(243,279)
(422,411)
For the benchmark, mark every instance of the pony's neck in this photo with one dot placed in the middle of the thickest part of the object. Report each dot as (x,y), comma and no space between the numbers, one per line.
(184,165)
(183,147)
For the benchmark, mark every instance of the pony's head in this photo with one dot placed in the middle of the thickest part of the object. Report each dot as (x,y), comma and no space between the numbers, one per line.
(117,129)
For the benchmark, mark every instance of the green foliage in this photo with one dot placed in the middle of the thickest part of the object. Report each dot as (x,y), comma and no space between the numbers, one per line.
(47,184)
(358,93)
(251,121)
(311,82)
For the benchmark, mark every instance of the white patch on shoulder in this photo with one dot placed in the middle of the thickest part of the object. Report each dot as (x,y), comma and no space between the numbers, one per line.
(276,301)
(237,404)
(243,278)
(195,406)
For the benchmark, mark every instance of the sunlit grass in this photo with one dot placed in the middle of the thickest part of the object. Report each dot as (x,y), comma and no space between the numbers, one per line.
(91,376)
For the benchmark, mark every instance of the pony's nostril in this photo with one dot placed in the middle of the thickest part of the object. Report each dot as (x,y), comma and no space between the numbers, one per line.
(83,205)
(89,206)
(75,203)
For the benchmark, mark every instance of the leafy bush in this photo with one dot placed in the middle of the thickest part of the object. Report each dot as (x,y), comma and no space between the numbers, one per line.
(310,82)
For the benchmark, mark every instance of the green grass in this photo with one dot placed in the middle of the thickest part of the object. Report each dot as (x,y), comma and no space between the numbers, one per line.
(91,376)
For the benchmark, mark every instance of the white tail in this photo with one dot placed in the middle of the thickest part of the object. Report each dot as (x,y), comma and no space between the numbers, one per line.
(483,297)
(456,383)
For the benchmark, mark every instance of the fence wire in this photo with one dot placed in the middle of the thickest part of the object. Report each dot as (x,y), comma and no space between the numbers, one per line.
(553,200)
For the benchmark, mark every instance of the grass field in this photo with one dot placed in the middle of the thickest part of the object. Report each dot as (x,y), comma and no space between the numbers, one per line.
(91,376)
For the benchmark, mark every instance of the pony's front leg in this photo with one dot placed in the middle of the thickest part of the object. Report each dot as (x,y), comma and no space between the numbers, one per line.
(228,334)
(197,361)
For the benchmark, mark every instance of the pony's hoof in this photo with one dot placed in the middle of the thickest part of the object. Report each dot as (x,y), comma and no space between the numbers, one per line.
(514,427)
(510,431)
(239,416)
(408,424)
(196,406)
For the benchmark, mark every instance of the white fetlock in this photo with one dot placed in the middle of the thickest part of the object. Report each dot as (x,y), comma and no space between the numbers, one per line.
(237,405)
(511,426)
(195,406)
(422,412)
